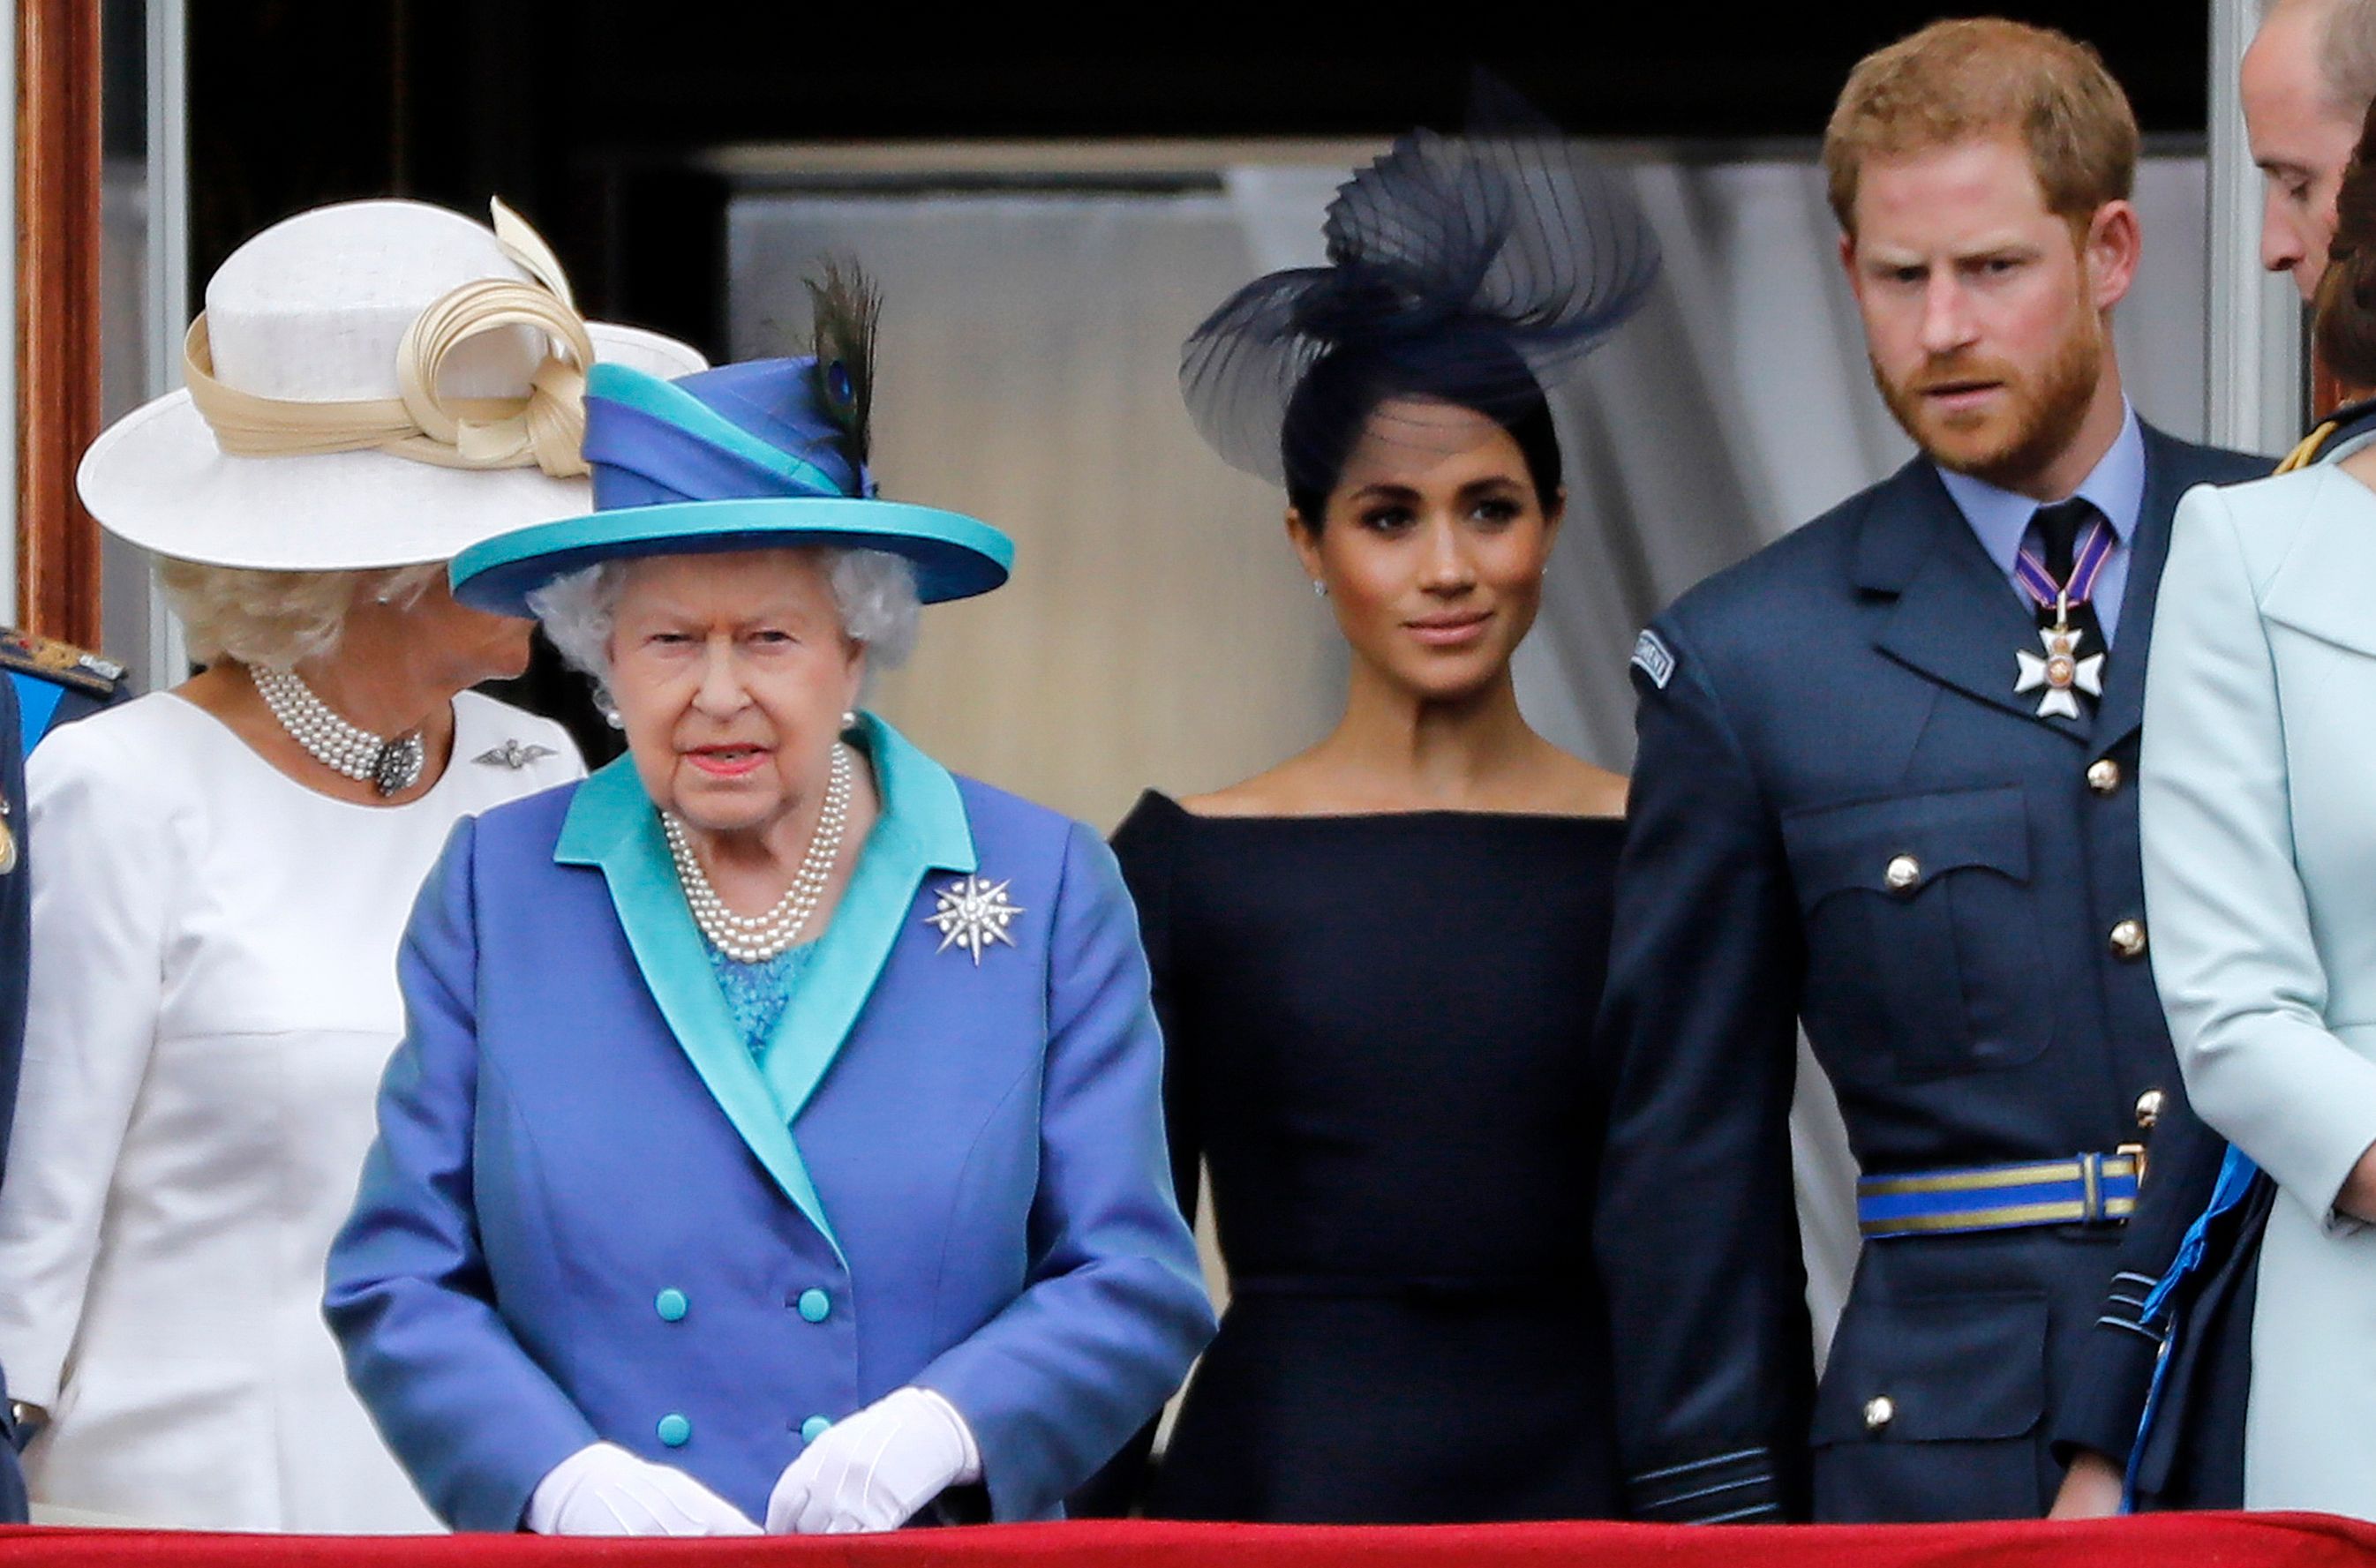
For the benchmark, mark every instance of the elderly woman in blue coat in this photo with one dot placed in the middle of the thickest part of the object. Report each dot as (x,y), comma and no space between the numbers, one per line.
(775,1139)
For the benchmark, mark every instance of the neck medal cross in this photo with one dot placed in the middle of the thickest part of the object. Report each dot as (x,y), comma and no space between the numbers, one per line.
(971,913)
(2063,671)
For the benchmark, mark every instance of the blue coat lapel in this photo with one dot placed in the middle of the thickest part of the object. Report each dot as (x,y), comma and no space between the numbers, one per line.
(1956,619)
(923,828)
(2171,470)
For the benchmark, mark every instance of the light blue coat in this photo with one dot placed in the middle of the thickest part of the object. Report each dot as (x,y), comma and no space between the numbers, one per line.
(2258,808)
(591,1214)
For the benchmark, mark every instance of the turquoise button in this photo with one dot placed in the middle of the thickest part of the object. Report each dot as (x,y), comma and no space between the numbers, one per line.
(671,1305)
(816,1305)
(814,1428)
(675,1430)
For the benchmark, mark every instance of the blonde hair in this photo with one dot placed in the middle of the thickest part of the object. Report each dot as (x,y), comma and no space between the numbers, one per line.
(1956,81)
(273,620)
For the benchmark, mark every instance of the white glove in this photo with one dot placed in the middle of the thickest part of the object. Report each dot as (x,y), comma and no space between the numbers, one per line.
(603,1490)
(873,1470)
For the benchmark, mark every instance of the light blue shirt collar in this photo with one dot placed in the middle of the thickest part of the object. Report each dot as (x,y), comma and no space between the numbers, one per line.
(2116,484)
(1999,518)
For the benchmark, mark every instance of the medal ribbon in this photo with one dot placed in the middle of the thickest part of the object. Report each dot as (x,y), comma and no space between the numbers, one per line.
(2086,565)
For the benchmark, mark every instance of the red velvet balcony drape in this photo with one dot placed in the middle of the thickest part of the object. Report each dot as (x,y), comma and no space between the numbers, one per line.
(2203,1540)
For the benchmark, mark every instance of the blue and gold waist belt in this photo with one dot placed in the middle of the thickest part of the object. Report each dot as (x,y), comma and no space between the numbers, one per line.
(2086,1189)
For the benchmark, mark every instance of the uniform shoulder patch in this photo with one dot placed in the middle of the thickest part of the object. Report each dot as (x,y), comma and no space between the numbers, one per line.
(50,659)
(1654,658)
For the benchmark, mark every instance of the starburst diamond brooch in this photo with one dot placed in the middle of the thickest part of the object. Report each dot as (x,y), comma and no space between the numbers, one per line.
(972,912)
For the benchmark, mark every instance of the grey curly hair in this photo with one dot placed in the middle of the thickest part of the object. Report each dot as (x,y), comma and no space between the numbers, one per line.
(873,590)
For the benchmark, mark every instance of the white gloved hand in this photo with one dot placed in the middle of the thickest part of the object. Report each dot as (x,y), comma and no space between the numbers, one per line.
(873,1470)
(603,1490)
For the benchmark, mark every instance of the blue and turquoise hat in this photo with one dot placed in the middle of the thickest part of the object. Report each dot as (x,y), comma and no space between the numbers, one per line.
(745,456)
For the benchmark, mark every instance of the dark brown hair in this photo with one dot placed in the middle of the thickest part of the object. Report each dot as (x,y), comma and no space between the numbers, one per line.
(2344,329)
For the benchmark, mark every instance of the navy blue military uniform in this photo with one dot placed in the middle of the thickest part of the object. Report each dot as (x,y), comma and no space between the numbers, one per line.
(47,684)
(1842,814)
(2197,1459)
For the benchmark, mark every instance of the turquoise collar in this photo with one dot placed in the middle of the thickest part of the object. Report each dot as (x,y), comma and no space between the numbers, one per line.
(922,828)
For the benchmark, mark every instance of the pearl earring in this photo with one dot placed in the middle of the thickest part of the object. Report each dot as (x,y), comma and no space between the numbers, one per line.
(848,720)
(1319,589)
(611,716)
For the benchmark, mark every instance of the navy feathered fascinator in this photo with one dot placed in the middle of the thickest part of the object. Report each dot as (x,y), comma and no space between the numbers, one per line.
(1482,267)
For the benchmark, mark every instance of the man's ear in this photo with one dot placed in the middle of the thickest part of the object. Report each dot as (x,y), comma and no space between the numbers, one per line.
(2113,243)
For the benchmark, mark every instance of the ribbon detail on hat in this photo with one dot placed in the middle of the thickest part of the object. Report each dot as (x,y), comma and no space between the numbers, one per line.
(546,428)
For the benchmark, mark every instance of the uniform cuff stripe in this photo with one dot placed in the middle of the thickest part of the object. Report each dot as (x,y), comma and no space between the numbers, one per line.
(1728,1488)
(1646,1477)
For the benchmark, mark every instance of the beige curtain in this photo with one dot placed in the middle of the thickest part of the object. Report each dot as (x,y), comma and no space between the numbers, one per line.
(1158,632)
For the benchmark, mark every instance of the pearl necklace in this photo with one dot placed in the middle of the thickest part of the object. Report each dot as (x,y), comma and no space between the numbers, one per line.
(754,939)
(390,766)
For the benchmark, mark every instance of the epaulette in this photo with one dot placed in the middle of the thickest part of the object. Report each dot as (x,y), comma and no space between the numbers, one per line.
(2352,419)
(95,676)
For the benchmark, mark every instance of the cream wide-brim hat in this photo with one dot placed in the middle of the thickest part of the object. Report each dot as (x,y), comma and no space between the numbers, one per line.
(314,310)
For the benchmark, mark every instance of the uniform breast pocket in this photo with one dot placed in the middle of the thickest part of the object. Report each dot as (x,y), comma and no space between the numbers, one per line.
(1922,956)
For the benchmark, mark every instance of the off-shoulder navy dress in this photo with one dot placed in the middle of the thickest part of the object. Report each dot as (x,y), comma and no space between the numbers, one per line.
(1379,1039)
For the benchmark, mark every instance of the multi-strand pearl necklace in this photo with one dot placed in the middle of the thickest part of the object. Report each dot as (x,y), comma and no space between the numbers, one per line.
(754,939)
(390,766)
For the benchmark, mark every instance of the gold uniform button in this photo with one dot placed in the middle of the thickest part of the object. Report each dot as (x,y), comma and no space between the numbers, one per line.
(2149,1106)
(2129,939)
(1903,873)
(2104,776)
(1879,1411)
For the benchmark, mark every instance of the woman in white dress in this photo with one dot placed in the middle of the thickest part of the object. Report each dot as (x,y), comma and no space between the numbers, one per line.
(2259,821)
(226,867)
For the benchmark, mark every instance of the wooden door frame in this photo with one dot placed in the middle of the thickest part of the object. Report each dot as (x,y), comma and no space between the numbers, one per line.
(58,304)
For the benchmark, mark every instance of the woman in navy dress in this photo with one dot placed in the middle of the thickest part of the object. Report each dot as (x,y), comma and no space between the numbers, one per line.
(1377,964)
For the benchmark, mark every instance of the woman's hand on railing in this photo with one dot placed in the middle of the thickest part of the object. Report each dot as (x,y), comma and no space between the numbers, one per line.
(603,1490)
(873,1470)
